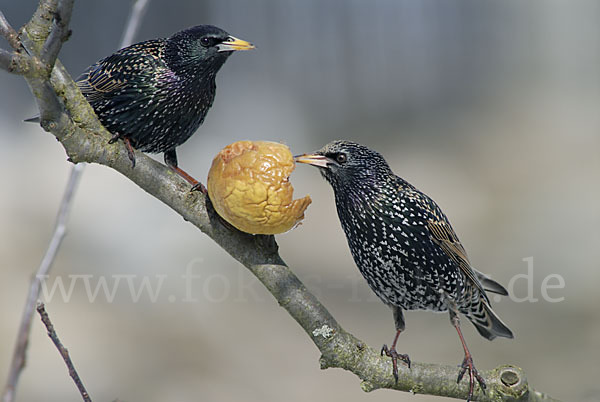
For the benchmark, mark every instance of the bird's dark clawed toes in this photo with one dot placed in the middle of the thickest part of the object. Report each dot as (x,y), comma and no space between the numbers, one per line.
(395,356)
(130,151)
(199,187)
(114,138)
(467,365)
(131,157)
(405,359)
(128,146)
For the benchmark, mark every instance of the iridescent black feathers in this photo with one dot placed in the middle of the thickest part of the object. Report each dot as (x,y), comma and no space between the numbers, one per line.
(155,94)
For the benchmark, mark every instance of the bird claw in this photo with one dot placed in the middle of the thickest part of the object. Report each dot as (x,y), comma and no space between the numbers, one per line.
(114,138)
(199,187)
(130,151)
(128,146)
(395,356)
(467,364)
(196,185)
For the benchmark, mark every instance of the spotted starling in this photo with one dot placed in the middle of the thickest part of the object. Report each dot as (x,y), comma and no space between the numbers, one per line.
(405,247)
(155,94)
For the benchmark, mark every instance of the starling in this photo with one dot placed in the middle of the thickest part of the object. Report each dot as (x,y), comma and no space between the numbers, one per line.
(405,247)
(155,94)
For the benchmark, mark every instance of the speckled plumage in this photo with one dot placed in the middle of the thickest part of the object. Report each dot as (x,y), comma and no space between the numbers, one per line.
(156,93)
(402,242)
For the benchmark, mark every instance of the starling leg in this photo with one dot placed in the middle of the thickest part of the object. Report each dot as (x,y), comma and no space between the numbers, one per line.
(171,161)
(196,185)
(391,352)
(467,363)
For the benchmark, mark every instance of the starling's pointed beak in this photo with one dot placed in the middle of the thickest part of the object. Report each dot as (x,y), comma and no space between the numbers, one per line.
(314,159)
(232,43)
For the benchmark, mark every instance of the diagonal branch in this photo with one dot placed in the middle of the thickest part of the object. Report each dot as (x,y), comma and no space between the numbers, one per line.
(64,353)
(85,140)
(6,61)
(17,63)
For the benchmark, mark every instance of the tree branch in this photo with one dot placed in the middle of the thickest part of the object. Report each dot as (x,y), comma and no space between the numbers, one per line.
(16,63)
(7,31)
(63,352)
(85,140)
(58,33)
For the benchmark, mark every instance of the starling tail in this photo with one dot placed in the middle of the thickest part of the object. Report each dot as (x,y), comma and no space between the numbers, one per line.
(490,326)
(405,247)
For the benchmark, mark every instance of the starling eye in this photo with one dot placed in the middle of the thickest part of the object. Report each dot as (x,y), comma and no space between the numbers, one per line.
(340,158)
(206,42)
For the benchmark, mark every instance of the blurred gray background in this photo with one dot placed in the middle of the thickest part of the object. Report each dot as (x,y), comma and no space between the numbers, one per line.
(489,107)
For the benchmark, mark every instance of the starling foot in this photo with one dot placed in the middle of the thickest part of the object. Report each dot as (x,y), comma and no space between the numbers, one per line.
(130,152)
(395,356)
(171,161)
(127,141)
(199,186)
(114,138)
(467,364)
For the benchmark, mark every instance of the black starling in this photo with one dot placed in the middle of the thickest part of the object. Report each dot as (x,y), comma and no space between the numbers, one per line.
(155,94)
(405,247)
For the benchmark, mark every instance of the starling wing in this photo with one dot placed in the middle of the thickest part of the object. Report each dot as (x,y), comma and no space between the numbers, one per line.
(131,67)
(443,234)
(487,322)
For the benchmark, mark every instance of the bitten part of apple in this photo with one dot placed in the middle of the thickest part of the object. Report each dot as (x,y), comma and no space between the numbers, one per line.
(248,184)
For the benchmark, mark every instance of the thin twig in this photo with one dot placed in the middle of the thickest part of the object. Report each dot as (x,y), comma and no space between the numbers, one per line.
(134,21)
(9,33)
(6,60)
(18,362)
(18,63)
(19,354)
(63,352)
(58,34)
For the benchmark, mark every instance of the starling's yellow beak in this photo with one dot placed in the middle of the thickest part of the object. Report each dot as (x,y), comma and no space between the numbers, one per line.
(314,159)
(232,43)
